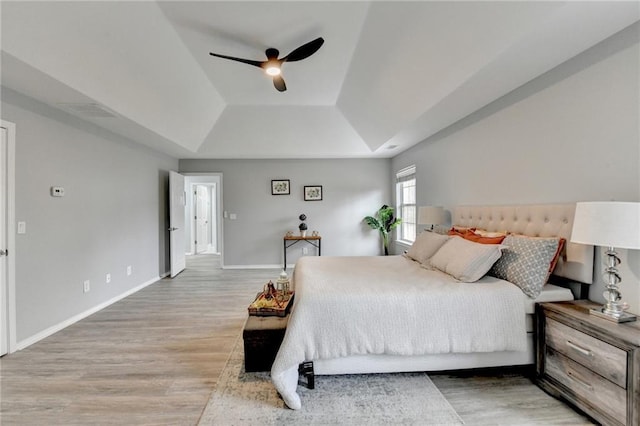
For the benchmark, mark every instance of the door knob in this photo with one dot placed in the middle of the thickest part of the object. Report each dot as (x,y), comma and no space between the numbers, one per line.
(4,252)
(173,229)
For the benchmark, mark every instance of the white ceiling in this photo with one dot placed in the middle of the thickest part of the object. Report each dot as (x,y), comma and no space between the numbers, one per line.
(389,73)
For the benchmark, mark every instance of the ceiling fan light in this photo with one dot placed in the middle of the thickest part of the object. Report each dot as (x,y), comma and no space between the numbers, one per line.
(272,70)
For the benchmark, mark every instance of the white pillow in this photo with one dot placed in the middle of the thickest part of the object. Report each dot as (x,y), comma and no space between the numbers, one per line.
(465,260)
(426,245)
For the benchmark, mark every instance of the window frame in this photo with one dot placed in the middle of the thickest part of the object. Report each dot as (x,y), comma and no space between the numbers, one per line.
(406,206)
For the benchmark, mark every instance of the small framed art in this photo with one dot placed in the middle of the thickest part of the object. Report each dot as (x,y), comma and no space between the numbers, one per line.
(313,193)
(280,187)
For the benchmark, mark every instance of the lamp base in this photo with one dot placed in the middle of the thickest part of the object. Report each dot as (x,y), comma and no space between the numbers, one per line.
(623,317)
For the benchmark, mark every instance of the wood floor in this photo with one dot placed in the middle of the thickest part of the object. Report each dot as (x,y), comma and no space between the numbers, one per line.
(154,358)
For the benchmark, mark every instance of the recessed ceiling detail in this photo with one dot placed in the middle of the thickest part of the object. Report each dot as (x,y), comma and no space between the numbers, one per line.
(389,73)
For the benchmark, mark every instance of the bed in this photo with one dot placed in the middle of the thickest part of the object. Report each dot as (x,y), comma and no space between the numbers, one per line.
(402,313)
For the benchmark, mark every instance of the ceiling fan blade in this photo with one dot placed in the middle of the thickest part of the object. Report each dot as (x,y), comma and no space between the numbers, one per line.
(278,82)
(304,51)
(244,61)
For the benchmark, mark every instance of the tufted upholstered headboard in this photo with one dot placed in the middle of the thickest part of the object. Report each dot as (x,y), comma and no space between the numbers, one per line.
(535,220)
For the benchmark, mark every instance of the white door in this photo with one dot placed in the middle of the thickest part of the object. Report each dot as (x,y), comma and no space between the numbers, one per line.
(202,218)
(177,200)
(4,333)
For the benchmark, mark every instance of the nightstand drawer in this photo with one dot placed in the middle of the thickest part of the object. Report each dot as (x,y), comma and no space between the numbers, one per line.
(587,385)
(603,358)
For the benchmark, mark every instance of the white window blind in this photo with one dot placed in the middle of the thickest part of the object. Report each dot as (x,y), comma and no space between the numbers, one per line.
(406,203)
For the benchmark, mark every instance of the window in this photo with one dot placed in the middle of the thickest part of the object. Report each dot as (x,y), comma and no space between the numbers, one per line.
(406,203)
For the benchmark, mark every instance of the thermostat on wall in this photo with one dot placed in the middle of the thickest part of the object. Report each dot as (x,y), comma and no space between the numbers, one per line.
(57,191)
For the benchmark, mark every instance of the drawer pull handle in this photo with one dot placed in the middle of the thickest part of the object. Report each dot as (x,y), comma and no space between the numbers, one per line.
(579,349)
(578,380)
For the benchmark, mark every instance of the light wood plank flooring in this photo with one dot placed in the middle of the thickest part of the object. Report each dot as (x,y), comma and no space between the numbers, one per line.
(154,358)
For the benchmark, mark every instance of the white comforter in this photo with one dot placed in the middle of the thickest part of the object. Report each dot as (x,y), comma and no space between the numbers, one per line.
(391,305)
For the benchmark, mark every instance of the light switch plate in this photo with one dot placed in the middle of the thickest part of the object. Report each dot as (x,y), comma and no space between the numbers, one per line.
(22,227)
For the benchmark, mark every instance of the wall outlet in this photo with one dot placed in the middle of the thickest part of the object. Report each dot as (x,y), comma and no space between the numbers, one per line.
(57,191)
(128,270)
(108,278)
(87,286)
(305,250)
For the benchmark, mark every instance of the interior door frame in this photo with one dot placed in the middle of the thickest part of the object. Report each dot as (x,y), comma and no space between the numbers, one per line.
(10,303)
(219,196)
(195,235)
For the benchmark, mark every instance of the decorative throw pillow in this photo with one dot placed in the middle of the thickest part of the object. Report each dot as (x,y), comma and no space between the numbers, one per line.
(526,262)
(459,230)
(476,237)
(562,243)
(484,233)
(465,260)
(425,246)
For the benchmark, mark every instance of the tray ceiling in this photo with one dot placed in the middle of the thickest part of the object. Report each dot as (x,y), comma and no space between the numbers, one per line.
(389,74)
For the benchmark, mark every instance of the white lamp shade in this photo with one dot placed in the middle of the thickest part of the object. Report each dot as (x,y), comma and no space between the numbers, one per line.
(608,224)
(430,215)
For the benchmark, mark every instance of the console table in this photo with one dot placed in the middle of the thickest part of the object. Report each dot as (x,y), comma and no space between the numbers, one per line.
(288,241)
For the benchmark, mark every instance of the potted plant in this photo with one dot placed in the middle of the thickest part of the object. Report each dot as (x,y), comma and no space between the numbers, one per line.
(385,222)
(303,226)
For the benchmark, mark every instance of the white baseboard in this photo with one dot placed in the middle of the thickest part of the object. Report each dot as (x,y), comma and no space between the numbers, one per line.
(66,323)
(278,266)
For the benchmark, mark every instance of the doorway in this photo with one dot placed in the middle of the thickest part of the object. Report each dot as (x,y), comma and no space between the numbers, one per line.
(203,224)
(204,233)
(7,239)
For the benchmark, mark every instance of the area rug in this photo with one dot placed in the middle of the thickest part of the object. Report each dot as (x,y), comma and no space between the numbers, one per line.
(242,398)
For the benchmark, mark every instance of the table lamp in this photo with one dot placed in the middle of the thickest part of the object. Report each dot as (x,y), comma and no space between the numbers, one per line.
(430,215)
(612,225)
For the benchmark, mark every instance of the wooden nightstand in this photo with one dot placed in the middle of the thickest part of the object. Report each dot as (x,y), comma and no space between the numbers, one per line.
(591,362)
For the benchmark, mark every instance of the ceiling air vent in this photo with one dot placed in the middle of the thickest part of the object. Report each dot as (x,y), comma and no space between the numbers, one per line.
(88,110)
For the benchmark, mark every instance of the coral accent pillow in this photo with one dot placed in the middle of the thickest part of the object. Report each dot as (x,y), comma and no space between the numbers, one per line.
(477,237)
(425,246)
(465,260)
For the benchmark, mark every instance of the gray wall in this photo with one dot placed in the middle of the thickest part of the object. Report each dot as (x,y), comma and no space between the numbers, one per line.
(569,135)
(352,189)
(112,215)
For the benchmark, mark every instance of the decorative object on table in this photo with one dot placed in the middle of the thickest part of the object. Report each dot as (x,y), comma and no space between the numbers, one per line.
(270,303)
(303,226)
(313,193)
(431,215)
(289,234)
(612,225)
(384,222)
(315,234)
(280,187)
(283,284)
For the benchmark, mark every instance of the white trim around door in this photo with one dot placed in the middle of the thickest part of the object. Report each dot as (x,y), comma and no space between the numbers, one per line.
(9,241)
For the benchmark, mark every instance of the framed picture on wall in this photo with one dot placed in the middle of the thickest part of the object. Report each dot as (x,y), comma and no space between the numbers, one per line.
(280,187)
(313,193)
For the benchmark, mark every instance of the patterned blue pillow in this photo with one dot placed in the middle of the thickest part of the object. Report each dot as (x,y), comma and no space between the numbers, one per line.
(525,262)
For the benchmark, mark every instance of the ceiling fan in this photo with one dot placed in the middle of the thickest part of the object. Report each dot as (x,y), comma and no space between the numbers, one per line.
(272,66)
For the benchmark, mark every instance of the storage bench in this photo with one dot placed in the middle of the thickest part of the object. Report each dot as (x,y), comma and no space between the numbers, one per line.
(262,337)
